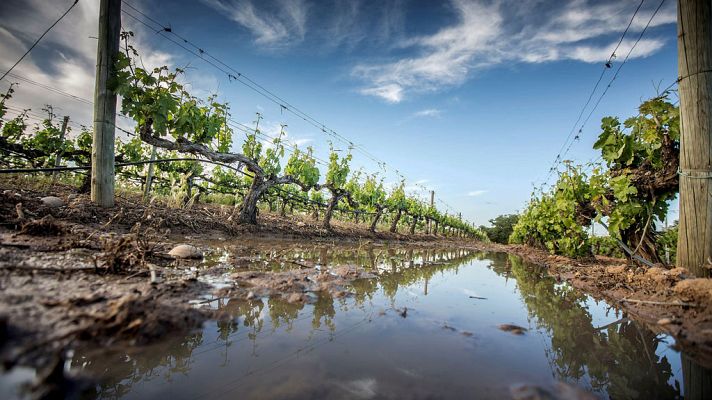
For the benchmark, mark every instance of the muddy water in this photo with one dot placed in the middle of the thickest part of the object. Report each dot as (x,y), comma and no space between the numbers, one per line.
(428,326)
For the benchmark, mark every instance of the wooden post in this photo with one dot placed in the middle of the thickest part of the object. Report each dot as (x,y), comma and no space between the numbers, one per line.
(149,176)
(694,50)
(102,153)
(58,158)
(432,203)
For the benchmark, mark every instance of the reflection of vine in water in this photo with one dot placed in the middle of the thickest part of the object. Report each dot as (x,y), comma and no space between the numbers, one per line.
(619,358)
(283,313)
(401,274)
(177,358)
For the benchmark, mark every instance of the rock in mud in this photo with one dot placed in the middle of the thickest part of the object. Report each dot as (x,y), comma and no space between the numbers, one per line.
(515,329)
(52,201)
(665,321)
(185,251)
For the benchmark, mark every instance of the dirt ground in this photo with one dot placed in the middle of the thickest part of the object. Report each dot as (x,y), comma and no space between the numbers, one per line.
(74,273)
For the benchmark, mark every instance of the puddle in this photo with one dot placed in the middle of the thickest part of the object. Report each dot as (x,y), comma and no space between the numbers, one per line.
(429,325)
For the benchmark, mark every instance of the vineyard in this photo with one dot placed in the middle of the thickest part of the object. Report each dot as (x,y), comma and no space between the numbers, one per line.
(178,247)
(189,141)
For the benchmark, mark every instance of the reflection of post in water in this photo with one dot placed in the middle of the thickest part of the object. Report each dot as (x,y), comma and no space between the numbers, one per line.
(226,327)
(324,256)
(371,258)
(697,379)
(392,259)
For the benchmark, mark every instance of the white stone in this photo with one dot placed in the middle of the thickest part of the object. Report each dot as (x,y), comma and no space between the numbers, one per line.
(52,201)
(185,251)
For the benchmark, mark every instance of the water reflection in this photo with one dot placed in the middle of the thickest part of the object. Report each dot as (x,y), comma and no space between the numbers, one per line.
(620,358)
(362,347)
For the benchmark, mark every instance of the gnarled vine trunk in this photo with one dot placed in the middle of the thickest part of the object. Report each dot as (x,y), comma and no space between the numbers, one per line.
(330,210)
(248,209)
(394,224)
(374,222)
(413,225)
(641,242)
(283,209)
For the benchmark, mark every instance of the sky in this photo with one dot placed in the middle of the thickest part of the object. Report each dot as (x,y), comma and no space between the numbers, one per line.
(470,98)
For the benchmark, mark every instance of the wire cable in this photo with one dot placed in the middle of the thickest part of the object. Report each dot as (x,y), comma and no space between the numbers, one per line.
(560,156)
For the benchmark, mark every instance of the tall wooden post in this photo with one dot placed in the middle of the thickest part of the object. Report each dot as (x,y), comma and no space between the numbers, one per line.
(432,203)
(58,158)
(102,153)
(694,50)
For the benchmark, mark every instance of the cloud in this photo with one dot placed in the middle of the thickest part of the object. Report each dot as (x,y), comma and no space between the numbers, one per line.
(487,34)
(392,93)
(592,54)
(366,388)
(428,113)
(477,193)
(271,28)
(444,56)
(64,60)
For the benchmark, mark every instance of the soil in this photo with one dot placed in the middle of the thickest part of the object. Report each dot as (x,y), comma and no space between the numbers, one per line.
(83,275)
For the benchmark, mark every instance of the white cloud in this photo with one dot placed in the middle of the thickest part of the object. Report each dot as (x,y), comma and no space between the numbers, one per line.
(274,29)
(64,59)
(429,112)
(392,93)
(476,193)
(591,54)
(483,35)
(444,56)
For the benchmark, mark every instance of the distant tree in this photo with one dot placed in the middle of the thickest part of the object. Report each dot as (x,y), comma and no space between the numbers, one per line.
(501,228)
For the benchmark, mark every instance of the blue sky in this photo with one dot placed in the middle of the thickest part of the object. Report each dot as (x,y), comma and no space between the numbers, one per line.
(470,98)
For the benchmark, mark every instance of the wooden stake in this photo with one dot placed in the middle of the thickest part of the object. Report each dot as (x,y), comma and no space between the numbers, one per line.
(149,176)
(58,158)
(694,50)
(432,203)
(102,154)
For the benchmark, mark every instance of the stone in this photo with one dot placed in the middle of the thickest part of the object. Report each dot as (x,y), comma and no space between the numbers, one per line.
(52,201)
(515,329)
(665,321)
(185,251)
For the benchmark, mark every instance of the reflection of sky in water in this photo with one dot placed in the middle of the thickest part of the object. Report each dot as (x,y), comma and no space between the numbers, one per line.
(448,346)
